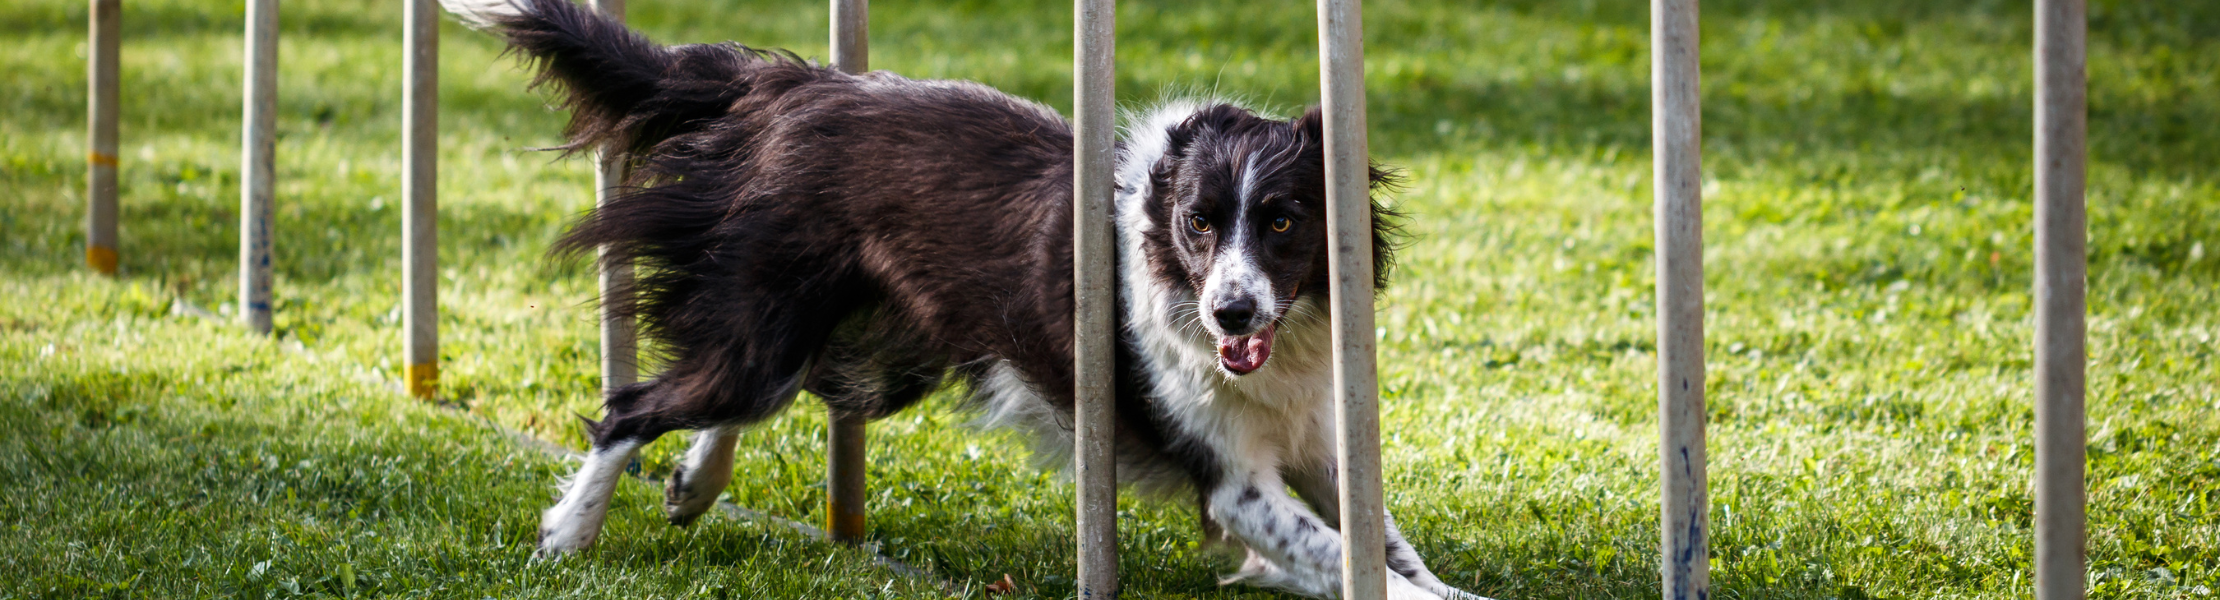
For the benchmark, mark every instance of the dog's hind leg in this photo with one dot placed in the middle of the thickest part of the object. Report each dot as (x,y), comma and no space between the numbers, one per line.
(706,470)
(574,522)
(701,476)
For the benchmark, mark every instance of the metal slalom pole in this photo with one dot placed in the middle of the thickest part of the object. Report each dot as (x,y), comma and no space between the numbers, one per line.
(103,48)
(1349,255)
(258,162)
(619,353)
(420,196)
(1094,281)
(845,435)
(1677,129)
(2061,298)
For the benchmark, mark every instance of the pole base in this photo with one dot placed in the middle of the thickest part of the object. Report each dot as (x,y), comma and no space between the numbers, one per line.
(101,258)
(423,380)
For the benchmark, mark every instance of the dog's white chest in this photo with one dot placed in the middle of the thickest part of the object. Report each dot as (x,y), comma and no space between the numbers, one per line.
(1278,416)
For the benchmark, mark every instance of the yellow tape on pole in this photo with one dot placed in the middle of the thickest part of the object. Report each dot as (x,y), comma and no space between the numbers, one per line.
(101,258)
(423,380)
(101,54)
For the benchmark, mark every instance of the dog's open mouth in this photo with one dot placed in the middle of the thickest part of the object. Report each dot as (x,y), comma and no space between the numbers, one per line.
(1242,355)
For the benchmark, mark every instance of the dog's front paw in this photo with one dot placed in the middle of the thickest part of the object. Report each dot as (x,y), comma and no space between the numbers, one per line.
(563,532)
(1428,582)
(1399,588)
(556,544)
(1450,593)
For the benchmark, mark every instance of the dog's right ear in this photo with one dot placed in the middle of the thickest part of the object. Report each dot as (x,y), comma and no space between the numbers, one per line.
(1178,139)
(1209,120)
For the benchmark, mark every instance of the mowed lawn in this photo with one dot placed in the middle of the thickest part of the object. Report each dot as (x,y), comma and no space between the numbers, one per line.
(1867,185)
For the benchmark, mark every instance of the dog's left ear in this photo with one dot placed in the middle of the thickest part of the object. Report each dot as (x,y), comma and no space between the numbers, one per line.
(1387,229)
(1312,127)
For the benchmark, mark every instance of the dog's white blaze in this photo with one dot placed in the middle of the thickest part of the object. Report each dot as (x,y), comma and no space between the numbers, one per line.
(1251,165)
(1248,178)
(1234,275)
(573,523)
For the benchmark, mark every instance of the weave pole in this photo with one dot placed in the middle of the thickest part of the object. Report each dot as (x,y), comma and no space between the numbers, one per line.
(420,195)
(619,335)
(2061,297)
(1095,468)
(1676,122)
(102,74)
(1349,256)
(258,163)
(845,437)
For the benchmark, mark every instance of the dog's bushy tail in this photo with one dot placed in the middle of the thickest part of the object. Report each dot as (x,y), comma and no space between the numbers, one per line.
(624,93)
(640,101)
(648,105)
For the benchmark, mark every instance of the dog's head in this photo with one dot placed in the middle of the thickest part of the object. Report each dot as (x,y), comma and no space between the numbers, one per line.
(1238,216)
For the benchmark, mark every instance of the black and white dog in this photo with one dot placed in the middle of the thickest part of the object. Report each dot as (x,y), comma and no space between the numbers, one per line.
(865,237)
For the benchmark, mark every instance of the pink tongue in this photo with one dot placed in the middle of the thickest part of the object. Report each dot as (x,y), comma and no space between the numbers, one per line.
(1244,354)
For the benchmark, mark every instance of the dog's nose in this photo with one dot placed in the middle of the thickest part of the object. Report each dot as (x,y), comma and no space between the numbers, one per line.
(1233,317)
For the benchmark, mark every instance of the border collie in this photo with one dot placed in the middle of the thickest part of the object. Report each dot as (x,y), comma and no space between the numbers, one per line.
(870,238)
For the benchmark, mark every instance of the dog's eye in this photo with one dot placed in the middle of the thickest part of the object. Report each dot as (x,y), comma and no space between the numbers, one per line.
(1281,224)
(1200,224)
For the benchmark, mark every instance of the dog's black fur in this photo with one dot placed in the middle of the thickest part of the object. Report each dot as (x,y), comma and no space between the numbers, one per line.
(882,231)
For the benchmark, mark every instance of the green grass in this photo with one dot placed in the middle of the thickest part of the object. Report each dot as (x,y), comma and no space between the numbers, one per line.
(1868,178)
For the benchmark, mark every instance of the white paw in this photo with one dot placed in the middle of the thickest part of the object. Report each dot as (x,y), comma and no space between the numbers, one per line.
(1428,582)
(565,529)
(1259,571)
(1450,593)
(1401,589)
